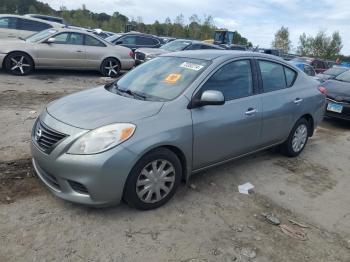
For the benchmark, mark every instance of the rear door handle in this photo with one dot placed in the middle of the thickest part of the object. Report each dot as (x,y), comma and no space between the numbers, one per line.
(251,111)
(298,101)
(80,51)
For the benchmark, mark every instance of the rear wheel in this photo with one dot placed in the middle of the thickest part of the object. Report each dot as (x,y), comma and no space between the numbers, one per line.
(153,180)
(110,67)
(297,139)
(19,63)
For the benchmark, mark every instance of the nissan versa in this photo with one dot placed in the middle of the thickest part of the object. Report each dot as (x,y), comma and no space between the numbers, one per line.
(138,137)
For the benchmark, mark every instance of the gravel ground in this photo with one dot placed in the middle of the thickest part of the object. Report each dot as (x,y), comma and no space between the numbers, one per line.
(208,220)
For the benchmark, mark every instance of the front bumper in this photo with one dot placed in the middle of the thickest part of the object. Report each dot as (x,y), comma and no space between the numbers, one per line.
(2,57)
(95,180)
(344,115)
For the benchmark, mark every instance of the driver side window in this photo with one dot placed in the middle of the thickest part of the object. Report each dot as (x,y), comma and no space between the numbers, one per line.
(234,80)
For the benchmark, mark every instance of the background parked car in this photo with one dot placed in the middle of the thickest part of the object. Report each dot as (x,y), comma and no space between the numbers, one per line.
(136,40)
(319,65)
(64,48)
(14,26)
(306,68)
(338,96)
(55,19)
(167,39)
(144,54)
(331,73)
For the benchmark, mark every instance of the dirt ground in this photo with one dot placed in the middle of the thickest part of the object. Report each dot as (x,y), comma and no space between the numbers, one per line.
(209,220)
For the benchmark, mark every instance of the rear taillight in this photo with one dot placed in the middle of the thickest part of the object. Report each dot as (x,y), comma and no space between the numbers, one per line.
(131,53)
(323,90)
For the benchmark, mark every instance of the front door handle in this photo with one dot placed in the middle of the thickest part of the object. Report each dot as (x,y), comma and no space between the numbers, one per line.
(298,101)
(251,111)
(80,51)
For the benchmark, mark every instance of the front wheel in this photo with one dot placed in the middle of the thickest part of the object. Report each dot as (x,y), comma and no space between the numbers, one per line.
(110,67)
(153,180)
(19,64)
(297,139)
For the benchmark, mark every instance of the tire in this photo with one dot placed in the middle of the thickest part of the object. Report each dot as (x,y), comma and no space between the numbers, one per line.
(110,67)
(145,191)
(297,139)
(18,63)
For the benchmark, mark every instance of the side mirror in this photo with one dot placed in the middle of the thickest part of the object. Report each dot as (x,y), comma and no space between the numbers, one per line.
(51,40)
(209,97)
(118,42)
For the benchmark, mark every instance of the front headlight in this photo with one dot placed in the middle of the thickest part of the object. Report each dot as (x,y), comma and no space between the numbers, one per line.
(102,139)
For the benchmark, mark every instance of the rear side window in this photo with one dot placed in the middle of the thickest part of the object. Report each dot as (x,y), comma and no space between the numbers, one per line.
(234,80)
(272,75)
(91,41)
(8,22)
(35,26)
(309,70)
(140,40)
(290,76)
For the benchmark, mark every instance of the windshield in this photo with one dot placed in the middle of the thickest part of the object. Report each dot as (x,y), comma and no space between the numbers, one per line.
(41,35)
(176,45)
(112,37)
(344,77)
(219,36)
(162,78)
(334,71)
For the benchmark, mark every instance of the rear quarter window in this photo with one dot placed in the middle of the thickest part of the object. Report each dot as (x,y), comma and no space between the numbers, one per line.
(291,75)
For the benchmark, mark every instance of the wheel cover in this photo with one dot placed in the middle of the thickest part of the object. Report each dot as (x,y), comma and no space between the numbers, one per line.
(111,68)
(155,181)
(20,63)
(299,138)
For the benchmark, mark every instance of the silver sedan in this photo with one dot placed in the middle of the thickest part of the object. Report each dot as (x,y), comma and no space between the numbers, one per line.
(64,48)
(137,138)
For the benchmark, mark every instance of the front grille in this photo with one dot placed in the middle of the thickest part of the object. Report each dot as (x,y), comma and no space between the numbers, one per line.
(80,188)
(140,56)
(46,138)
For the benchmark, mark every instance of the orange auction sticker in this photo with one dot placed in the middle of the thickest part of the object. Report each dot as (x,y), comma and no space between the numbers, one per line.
(172,78)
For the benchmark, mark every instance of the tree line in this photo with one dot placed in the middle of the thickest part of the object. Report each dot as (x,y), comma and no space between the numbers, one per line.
(321,45)
(200,28)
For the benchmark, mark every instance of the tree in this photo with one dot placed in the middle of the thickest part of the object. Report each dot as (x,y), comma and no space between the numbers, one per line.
(282,40)
(322,46)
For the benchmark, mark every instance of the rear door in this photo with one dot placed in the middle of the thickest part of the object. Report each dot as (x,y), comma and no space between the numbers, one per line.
(28,27)
(226,131)
(68,51)
(280,100)
(95,51)
(8,27)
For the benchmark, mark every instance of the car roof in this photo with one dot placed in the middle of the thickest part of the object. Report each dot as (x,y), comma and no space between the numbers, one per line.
(71,30)
(54,24)
(213,54)
(46,16)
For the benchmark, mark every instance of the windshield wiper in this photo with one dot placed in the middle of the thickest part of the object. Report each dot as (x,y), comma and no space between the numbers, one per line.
(133,93)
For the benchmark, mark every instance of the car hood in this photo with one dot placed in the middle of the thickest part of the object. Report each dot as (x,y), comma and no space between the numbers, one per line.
(97,107)
(152,51)
(338,90)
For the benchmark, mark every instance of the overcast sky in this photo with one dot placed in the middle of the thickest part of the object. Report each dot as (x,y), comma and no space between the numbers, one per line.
(257,20)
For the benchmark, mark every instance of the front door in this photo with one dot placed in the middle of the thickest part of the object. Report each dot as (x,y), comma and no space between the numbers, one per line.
(229,130)
(67,51)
